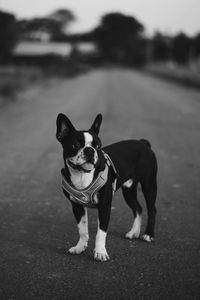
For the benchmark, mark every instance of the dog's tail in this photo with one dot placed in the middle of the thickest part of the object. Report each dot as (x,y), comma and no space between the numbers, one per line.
(146,142)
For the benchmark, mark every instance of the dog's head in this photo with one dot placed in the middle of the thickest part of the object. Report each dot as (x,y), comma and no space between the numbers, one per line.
(80,148)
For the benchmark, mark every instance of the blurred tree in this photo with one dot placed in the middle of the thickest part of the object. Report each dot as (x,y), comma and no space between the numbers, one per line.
(53,26)
(119,39)
(181,47)
(38,28)
(196,46)
(161,47)
(63,17)
(8,34)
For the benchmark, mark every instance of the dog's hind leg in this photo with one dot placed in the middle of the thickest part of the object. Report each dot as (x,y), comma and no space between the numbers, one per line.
(81,216)
(150,193)
(130,195)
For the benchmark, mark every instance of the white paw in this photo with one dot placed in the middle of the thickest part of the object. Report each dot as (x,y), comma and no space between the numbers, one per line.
(147,238)
(132,235)
(135,230)
(101,255)
(78,249)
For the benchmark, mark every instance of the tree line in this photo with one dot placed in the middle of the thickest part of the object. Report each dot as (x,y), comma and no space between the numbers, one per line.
(179,48)
(119,38)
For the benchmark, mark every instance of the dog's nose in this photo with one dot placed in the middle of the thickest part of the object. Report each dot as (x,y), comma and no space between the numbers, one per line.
(89,152)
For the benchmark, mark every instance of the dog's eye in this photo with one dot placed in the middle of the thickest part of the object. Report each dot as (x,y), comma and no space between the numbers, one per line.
(76,145)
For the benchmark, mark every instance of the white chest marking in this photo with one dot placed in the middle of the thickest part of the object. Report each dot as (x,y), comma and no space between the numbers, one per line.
(81,180)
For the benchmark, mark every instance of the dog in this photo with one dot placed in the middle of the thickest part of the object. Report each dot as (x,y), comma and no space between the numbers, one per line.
(92,174)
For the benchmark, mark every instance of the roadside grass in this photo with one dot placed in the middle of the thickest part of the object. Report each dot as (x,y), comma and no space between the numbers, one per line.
(188,76)
(25,72)
(14,78)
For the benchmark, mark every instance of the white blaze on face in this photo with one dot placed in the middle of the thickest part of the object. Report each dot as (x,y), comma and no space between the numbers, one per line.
(88,139)
(88,143)
(81,179)
(79,159)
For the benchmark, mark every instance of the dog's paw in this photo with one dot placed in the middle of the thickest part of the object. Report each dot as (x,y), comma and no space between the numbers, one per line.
(147,238)
(132,235)
(101,255)
(78,249)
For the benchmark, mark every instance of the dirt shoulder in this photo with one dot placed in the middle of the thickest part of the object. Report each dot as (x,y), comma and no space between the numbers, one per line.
(187,76)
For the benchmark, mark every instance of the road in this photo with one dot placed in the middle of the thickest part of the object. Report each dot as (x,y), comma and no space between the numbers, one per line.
(37,226)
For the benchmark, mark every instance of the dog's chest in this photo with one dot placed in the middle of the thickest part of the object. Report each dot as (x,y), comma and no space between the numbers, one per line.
(81,180)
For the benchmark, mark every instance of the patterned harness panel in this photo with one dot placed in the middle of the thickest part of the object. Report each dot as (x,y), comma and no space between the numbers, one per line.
(86,196)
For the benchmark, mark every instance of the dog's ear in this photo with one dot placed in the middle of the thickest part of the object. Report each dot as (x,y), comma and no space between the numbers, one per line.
(64,127)
(96,124)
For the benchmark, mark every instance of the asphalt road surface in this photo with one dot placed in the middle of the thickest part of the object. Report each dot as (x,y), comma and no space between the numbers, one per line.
(36,223)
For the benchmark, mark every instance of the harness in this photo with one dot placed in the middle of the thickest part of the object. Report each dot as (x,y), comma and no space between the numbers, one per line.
(86,196)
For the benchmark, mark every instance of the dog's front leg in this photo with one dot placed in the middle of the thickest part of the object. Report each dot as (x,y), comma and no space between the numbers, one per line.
(81,216)
(100,252)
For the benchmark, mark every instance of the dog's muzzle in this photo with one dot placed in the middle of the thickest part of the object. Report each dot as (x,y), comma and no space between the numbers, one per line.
(89,154)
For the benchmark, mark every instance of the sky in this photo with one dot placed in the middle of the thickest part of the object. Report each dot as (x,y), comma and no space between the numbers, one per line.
(167,16)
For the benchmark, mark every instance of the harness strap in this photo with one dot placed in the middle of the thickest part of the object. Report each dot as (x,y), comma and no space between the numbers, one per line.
(110,162)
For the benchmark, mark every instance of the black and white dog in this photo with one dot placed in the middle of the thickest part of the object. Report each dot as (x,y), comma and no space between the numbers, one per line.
(91,174)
